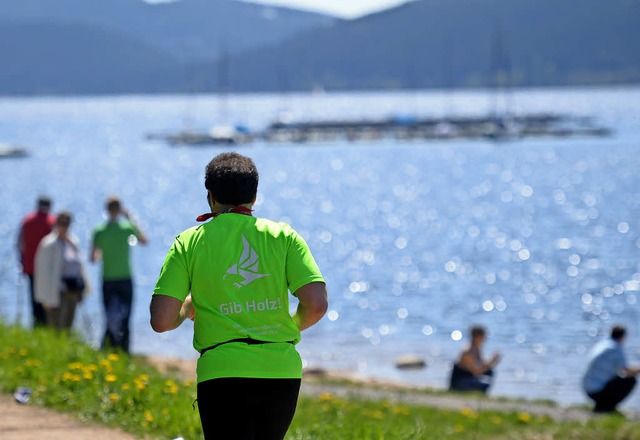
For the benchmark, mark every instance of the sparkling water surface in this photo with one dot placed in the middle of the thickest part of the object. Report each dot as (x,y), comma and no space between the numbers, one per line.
(537,239)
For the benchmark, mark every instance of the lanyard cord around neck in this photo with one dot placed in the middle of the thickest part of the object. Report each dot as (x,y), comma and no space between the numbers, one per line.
(235,210)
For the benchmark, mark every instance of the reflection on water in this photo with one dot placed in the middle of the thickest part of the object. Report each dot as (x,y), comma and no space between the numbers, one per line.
(537,240)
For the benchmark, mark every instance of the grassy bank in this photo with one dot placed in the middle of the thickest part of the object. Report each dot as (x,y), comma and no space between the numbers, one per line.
(127,392)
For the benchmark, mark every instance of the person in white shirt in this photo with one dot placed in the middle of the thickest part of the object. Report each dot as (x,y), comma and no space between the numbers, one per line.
(608,379)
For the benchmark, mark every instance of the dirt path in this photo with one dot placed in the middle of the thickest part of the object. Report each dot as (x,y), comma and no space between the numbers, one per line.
(27,422)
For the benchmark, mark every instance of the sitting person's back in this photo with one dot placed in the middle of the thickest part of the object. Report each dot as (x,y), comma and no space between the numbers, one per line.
(470,372)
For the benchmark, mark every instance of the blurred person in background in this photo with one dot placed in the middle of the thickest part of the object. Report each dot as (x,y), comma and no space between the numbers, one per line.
(34,227)
(609,379)
(60,278)
(111,242)
(471,372)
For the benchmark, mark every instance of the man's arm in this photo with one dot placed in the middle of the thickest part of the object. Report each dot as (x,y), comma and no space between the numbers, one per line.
(167,313)
(312,306)
(94,254)
(631,371)
(140,235)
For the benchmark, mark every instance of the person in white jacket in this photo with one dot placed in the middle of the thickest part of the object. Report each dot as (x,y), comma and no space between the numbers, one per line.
(60,277)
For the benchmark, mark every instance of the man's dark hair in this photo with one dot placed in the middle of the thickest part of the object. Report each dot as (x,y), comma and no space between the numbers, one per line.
(44,203)
(113,204)
(618,332)
(232,179)
(477,330)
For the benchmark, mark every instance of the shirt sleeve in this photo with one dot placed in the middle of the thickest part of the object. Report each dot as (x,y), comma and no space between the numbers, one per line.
(174,278)
(302,268)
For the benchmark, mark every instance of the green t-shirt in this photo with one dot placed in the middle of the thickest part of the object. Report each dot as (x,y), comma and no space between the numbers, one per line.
(239,270)
(112,238)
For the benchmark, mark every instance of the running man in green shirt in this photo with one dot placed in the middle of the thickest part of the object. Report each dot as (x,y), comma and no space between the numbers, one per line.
(232,276)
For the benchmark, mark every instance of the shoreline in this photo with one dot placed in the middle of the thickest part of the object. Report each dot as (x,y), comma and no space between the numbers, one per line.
(345,384)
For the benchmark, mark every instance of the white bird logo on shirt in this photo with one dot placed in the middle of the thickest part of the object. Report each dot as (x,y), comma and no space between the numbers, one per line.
(247,266)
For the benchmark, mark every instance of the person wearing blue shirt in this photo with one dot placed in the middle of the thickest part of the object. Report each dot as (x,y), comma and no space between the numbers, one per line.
(608,379)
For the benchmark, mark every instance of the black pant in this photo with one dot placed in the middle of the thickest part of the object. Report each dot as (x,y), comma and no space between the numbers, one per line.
(39,316)
(246,408)
(614,392)
(117,297)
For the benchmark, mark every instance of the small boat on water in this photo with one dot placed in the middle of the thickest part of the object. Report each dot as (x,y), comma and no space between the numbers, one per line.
(219,135)
(9,151)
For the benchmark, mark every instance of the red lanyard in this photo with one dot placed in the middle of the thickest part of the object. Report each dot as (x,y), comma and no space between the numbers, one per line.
(236,210)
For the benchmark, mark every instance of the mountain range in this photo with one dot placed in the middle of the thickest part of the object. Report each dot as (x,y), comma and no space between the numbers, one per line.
(129,46)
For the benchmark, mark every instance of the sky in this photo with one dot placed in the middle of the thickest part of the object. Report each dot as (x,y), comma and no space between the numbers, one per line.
(340,8)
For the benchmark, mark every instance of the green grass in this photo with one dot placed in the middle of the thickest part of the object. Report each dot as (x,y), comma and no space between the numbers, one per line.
(126,392)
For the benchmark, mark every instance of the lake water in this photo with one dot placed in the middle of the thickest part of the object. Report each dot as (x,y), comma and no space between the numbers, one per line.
(537,239)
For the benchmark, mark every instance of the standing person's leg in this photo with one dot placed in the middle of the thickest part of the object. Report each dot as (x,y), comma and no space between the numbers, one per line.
(52,317)
(68,303)
(127,303)
(108,300)
(37,311)
(118,299)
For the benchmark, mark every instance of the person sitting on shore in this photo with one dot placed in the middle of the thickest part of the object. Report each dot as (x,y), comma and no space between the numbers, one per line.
(608,379)
(471,372)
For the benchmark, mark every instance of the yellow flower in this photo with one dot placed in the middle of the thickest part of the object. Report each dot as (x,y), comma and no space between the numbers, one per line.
(148,416)
(113,357)
(114,397)
(141,382)
(326,397)
(110,378)
(32,362)
(91,367)
(375,414)
(24,352)
(401,410)
(75,366)
(87,375)
(459,428)
(524,417)
(126,386)
(105,364)
(468,412)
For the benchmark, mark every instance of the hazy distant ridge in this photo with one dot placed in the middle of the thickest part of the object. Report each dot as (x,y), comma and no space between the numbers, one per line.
(128,46)
(461,43)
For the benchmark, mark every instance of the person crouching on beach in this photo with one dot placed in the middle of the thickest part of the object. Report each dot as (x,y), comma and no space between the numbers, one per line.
(232,276)
(608,379)
(471,372)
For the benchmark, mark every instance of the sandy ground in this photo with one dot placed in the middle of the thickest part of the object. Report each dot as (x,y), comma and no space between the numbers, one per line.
(27,422)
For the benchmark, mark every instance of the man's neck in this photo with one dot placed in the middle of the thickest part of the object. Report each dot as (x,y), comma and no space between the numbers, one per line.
(219,208)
